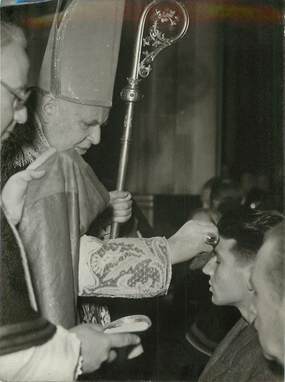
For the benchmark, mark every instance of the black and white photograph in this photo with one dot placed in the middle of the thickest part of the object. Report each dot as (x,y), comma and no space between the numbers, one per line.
(142,190)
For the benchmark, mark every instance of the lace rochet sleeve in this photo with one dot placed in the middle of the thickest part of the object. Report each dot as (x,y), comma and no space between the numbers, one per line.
(124,267)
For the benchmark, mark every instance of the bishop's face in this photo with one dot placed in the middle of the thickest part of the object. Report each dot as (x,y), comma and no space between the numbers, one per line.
(68,124)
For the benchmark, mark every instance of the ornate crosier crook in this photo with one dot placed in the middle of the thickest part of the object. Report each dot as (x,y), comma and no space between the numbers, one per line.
(168,21)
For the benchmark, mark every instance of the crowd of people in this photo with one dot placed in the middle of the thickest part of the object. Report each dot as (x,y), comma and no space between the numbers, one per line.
(49,198)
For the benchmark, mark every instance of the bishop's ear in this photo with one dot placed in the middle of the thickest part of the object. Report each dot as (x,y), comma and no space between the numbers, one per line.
(48,107)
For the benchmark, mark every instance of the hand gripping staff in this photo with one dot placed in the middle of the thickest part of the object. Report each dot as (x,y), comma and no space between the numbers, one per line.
(167,22)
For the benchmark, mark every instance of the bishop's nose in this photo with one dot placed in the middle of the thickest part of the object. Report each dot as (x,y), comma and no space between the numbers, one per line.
(95,134)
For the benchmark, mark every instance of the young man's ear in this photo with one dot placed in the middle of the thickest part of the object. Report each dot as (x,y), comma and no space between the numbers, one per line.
(248,271)
(249,275)
(252,311)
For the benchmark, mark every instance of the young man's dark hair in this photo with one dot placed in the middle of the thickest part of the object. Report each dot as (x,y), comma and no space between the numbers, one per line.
(248,228)
(225,195)
(239,356)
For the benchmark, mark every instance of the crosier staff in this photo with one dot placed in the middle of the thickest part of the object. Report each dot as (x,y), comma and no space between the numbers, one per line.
(169,23)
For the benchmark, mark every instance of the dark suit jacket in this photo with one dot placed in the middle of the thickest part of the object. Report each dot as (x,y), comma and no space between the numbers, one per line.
(239,358)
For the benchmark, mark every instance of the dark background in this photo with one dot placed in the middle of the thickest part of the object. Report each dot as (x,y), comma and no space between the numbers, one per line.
(250,129)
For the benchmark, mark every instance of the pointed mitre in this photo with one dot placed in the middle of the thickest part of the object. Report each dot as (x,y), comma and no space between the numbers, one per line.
(81,57)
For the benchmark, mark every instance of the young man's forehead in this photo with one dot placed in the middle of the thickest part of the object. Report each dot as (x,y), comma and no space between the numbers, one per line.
(225,244)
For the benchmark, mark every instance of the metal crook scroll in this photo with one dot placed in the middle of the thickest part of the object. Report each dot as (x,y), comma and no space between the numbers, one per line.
(162,23)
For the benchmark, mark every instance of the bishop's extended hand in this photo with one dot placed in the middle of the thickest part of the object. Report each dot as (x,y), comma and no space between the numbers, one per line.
(193,238)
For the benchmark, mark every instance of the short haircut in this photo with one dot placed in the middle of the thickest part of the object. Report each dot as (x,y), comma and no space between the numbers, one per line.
(11,33)
(247,228)
(275,270)
(225,195)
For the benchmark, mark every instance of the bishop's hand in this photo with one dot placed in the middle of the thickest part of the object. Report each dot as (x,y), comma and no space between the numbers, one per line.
(98,347)
(193,238)
(121,204)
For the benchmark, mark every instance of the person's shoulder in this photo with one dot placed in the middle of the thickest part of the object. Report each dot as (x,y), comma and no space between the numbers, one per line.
(265,370)
(60,172)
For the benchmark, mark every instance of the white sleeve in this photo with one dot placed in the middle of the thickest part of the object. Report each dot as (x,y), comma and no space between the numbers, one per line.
(56,360)
(124,267)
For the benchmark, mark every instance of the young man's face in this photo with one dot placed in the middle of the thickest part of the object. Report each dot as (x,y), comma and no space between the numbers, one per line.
(228,278)
(74,125)
(14,71)
(270,310)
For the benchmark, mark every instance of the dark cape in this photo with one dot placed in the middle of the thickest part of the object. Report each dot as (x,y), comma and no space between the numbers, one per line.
(21,327)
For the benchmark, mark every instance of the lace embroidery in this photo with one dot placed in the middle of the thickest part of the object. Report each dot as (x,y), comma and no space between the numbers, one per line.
(127,267)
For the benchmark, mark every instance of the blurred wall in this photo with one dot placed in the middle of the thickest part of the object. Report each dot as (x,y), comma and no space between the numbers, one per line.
(213,100)
(252,103)
(174,141)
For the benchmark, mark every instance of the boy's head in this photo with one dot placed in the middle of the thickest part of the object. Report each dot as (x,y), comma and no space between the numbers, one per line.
(241,236)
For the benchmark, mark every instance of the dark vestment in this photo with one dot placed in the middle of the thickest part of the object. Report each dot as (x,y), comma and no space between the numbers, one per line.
(239,358)
(21,327)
